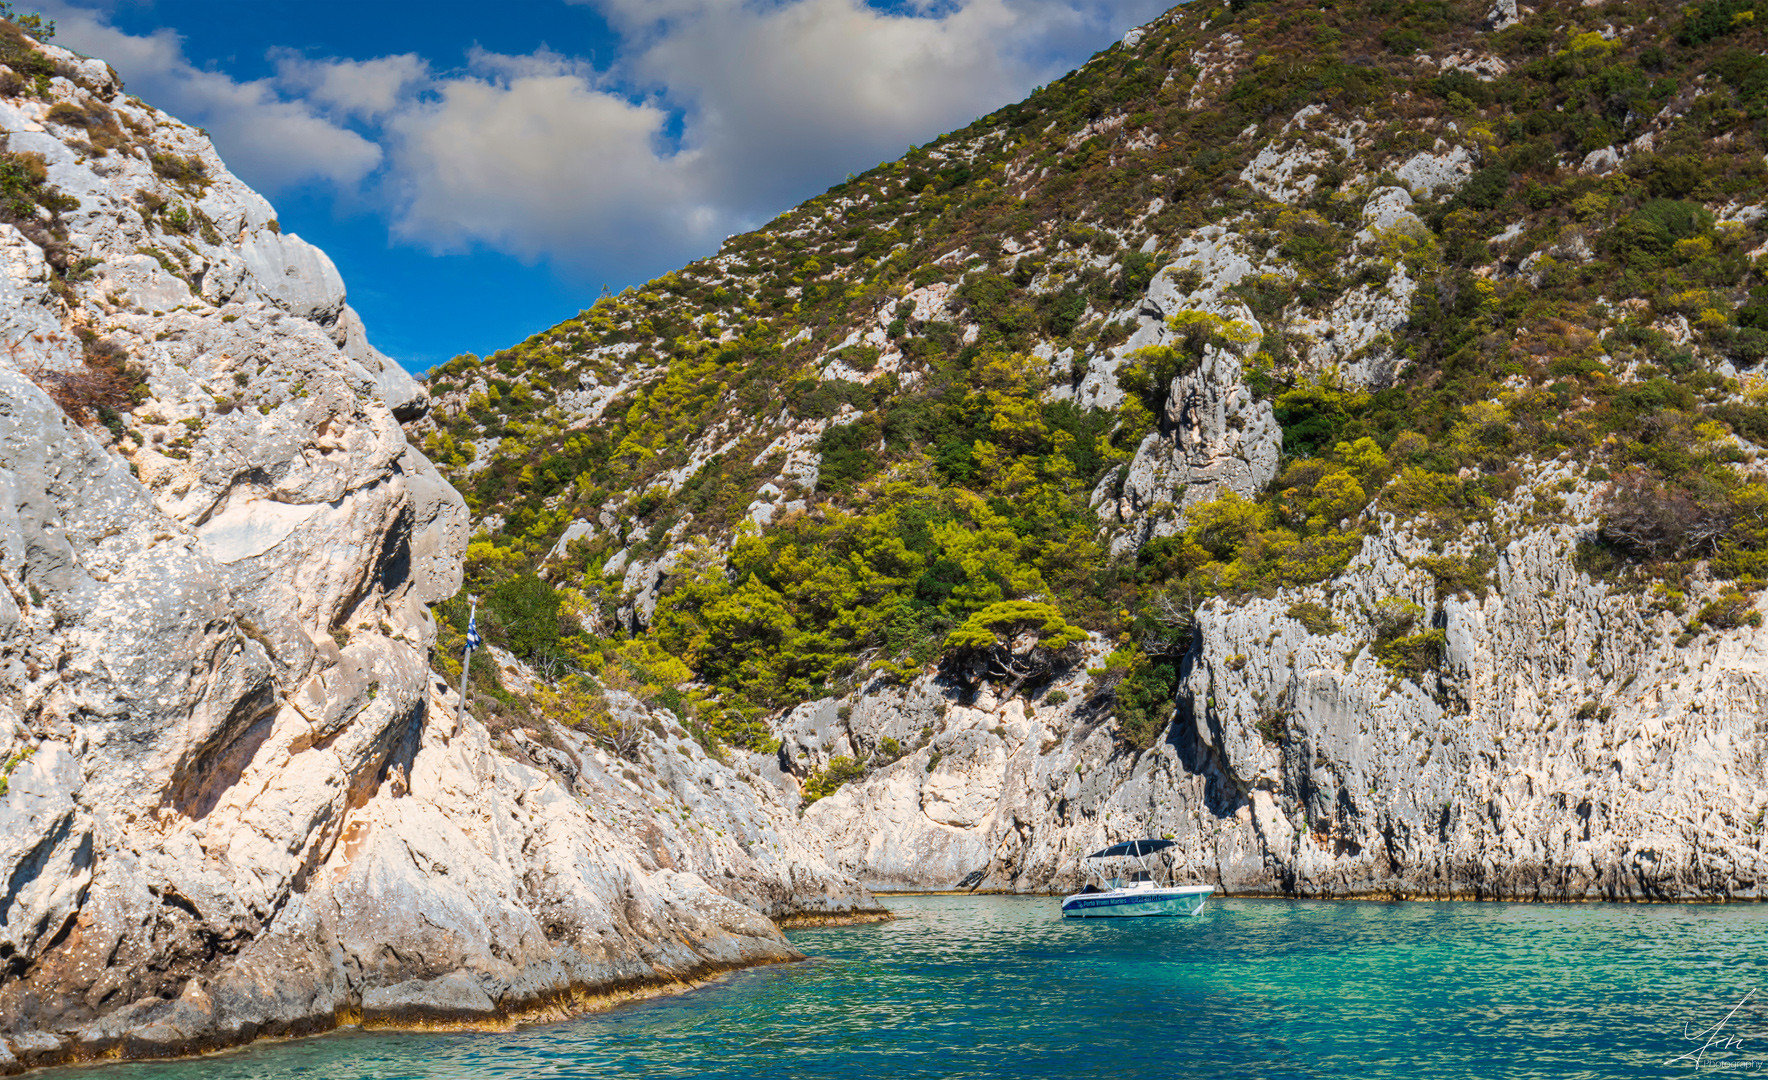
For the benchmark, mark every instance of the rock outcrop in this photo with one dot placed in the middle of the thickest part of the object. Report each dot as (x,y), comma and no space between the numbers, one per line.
(1570,746)
(1434,357)
(1216,436)
(236,801)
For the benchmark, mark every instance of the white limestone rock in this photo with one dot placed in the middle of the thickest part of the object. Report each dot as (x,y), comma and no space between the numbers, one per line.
(33,334)
(1355,336)
(241,804)
(1503,15)
(1429,172)
(1388,209)
(1217,436)
(1565,749)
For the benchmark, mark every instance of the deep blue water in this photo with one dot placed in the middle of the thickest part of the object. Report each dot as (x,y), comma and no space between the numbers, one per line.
(1003,987)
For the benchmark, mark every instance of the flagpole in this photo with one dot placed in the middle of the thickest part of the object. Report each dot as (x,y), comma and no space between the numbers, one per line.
(467,662)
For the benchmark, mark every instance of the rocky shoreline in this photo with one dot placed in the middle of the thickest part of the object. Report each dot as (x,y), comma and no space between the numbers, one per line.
(237,802)
(555,1008)
(1573,750)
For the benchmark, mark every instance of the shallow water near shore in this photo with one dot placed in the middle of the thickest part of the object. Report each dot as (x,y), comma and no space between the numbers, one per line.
(998,986)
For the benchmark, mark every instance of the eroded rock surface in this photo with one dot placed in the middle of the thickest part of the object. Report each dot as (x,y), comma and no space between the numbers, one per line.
(237,802)
(1567,748)
(1217,436)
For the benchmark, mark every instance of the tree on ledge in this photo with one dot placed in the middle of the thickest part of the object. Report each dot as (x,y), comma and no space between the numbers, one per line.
(1014,642)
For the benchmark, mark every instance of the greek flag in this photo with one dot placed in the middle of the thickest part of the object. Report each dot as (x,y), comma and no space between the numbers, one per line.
(473,641)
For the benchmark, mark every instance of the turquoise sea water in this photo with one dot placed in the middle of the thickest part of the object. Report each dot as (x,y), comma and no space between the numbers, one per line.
(1003,987)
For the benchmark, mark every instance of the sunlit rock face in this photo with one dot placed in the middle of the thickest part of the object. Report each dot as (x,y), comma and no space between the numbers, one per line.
(1567,747)
(237,802)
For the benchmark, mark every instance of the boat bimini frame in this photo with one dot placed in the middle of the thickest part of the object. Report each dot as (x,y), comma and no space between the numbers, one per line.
(1136,853)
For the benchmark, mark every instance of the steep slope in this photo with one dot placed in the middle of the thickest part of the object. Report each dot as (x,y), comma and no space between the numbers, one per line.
(234,799)
(1376,385)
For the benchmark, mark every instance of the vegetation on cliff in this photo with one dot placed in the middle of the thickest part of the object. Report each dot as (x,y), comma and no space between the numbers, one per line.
(824,453)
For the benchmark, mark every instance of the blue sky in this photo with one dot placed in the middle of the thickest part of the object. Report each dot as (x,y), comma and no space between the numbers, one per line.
(479,171)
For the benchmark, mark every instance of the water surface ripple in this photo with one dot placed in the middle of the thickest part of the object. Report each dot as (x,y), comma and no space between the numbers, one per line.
(1003,987)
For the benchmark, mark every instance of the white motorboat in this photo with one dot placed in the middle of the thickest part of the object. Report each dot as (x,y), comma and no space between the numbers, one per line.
(1124,881)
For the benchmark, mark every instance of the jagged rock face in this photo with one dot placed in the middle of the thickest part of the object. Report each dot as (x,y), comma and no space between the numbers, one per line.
(729,818)
(1217,437)
(237,802)
(1565,750)
(160,244)
(1555,750)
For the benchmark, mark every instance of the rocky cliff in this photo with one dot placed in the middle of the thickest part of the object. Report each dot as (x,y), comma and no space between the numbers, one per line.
(1567,748)
(1379,386)
(235,801)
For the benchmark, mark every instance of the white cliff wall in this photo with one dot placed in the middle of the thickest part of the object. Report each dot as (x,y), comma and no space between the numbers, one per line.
(1567,748)
(237,802)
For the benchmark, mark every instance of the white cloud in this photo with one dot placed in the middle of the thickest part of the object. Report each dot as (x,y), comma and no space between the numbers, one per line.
(716,114)
(537,163)
(276,141)
(363,89)
(540,156)
(774,95)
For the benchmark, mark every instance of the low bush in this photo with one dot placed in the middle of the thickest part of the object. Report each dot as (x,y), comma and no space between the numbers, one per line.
(179,169)
(1413,654)
(102,388)
(1394,617)
(1146,698)
(1729,612)
(1315,617)
(824,782)
(1648,519)
(527,611)
(1462,575)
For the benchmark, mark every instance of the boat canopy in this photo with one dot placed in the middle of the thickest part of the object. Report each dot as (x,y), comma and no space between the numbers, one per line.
(1132,849)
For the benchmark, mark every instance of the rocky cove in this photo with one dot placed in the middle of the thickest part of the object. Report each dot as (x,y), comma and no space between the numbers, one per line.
(243,799)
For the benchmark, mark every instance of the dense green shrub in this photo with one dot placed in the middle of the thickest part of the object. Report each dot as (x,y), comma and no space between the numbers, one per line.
(1315,617)
(1717,18)
(1414,654)
(24,187)
(1462,575)
(819,399)
(1730,611)
(1146,700)
(846,456)
(527,611)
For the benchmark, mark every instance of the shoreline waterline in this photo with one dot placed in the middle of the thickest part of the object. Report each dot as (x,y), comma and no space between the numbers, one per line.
(1376,897)
(559,1007)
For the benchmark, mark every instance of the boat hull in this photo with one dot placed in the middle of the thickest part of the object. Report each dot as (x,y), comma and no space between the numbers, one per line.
(1137,903)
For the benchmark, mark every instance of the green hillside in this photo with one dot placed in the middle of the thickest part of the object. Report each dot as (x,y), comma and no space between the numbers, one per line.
(1588,284)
